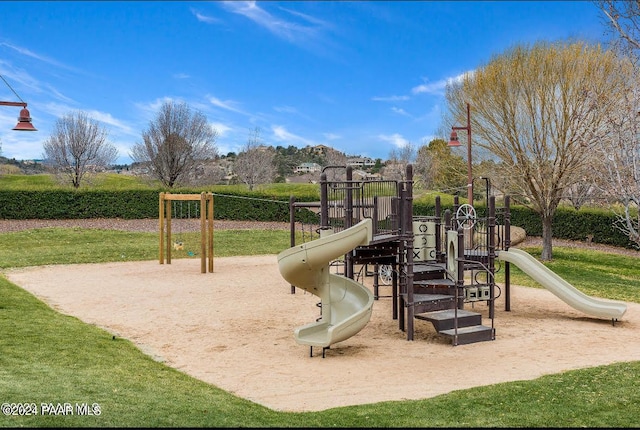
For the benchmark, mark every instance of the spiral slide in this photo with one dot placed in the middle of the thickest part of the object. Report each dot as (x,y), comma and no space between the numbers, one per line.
(561,288)
(346,304)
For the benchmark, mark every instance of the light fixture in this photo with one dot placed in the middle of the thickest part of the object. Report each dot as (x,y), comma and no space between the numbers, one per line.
(24,120)
(453,140)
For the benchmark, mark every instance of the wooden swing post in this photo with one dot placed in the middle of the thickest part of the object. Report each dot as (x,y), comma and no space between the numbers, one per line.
(206,227)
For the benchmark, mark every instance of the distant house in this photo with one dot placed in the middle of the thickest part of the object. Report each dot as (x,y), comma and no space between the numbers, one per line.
(321,149)
(361,174)
(361,162)
(308,168)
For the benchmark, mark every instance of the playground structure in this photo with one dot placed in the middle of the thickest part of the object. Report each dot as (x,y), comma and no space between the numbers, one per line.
(438,264)
(166,213)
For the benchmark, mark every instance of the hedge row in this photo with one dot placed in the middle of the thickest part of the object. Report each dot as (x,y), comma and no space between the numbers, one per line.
(568,223)
(137,204)
(133,204)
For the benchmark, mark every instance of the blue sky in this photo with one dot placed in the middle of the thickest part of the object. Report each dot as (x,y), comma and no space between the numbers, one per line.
(362,77)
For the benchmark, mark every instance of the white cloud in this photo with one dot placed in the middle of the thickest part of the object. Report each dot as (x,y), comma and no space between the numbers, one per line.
(395,139)
(29,53)
(390,99)
(124,150)
(308,18)
(331,136)
(225,104)
(107,118)
(205,18)
(221,128)
(181,76)
(400,111)
(285,109)
(430,88)
(58,111)
(438,87)
(280,133)
(285,29)
(155,105)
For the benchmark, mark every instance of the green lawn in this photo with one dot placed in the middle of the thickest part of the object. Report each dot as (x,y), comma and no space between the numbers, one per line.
(50,358)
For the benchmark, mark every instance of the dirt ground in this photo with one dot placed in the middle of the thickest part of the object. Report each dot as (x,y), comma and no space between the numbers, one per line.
(234,328)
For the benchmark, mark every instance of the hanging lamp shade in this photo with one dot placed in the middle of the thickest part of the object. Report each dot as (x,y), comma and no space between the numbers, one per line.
(453,140)
(24,121)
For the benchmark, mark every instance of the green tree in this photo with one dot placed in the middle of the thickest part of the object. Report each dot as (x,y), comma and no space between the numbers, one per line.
(439,168)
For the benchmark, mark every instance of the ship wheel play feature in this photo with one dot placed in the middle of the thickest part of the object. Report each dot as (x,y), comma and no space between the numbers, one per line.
(385,274)
(466,216)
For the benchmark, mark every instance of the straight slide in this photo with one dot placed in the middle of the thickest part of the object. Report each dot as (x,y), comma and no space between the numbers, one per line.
(566,292)
(346,304)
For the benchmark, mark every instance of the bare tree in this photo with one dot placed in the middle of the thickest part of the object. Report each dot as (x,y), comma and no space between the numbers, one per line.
(622,19)
(254,165)
(538,110)
(620,147)
(333,157)
(588,187)
(399,158)
(78,147)
(176,143)
(210,173)
(619,152)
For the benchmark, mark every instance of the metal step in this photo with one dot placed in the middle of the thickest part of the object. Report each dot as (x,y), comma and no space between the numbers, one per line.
(434,286)
(440,282)
(431,302)
(471,334)
(444,319)
(423,271)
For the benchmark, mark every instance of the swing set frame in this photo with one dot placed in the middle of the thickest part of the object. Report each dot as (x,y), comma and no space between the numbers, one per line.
(206,227)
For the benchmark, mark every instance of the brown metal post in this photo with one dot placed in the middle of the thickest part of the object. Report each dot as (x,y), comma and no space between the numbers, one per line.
(292,221)
(348,221)
(292,228)
(456,205)
(375,215)
(469,164)
(507,244)
(203,233)
(210,217)
(394,294)
(491,254)
(402,253)
(324,201)
(409,224)
(161,226)
(408,234)
(439,253)
(459,299)
(168,216)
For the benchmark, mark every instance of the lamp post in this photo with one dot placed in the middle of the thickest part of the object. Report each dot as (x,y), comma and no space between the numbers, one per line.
(24,120)
(453,142)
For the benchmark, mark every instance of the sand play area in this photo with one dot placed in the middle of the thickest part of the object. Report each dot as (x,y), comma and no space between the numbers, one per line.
(234,327)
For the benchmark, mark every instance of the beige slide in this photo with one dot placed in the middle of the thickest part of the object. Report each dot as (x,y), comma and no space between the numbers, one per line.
(562,289)
(346,304)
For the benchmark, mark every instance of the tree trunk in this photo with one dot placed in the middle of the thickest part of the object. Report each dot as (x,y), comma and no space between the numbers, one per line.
(547,236)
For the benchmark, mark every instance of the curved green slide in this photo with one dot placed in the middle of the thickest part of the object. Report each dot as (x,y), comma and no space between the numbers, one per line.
(346,304)
(562,289)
